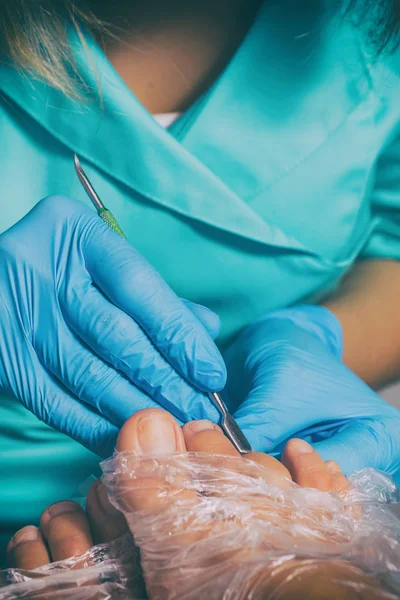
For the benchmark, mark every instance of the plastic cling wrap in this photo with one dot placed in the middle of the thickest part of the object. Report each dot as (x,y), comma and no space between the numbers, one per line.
(219,527)
(226,528)
(105,572)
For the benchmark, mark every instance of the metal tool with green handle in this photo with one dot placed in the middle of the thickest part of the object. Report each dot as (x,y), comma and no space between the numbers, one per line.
(104,213)
(228,423)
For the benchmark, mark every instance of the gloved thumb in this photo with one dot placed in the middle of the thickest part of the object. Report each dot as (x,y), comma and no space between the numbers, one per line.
(364,443)
(207,317)
(264,425)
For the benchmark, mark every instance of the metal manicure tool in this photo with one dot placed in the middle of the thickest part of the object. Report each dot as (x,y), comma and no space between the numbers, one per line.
(230,427)
(228,423)
(103,212)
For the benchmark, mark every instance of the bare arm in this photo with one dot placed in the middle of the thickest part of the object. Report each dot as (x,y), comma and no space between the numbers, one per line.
(368,306)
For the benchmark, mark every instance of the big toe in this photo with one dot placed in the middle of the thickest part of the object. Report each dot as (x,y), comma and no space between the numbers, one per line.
(151,431)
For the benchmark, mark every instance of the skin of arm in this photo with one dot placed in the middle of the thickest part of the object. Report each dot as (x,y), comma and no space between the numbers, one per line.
(366,304)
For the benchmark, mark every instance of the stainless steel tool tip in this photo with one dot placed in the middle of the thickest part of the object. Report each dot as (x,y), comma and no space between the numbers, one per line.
(230,427)
(83,178)
(77,163)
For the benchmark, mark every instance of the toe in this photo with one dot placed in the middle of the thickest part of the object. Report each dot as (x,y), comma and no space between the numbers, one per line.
(306,466)
(151,436)
(340,483)
(27,549)
(106,522)
(204,436)
(276,473)
(151,431)
(66,530)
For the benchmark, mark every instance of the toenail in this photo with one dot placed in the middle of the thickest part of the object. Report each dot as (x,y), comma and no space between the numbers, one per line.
(27,534)
(60,508)
(333,466)
(197,426)
(156,434)
(301,447)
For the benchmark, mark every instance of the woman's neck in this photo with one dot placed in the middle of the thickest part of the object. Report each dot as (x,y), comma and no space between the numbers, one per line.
(170,51)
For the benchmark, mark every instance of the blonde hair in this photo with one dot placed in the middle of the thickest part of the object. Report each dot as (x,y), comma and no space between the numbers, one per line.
(380,21)
(33,36)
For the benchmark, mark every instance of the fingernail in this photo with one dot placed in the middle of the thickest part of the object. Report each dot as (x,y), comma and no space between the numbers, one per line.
(156,435)
(27,534)
(59,508)
(302,447)
(197,426)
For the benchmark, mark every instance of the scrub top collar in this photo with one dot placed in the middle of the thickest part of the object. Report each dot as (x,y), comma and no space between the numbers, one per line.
(116,134)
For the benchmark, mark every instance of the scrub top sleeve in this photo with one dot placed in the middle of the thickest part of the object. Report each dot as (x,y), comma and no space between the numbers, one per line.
(384,238)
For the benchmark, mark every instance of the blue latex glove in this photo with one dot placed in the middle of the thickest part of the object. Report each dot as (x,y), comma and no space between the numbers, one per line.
(89,331)
(285,372)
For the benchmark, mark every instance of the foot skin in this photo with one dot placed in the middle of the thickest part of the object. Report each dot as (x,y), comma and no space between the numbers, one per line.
(155,497)
(66,531)
(154,431)
(168,503)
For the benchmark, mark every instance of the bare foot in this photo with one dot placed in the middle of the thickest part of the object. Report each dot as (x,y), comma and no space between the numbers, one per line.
(192,546)
(66,531)
(190,501)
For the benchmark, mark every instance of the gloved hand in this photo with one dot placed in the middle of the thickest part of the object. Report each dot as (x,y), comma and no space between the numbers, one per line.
(89,331)
(286,379)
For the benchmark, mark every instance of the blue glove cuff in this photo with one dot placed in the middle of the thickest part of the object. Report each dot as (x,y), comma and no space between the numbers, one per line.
(316,320)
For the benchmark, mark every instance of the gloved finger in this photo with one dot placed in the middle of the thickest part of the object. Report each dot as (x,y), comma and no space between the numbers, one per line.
(119,341)
(265,424)
(364,443)
(133,285)
(58,408)
(88,378)
(268,422)
(210,319)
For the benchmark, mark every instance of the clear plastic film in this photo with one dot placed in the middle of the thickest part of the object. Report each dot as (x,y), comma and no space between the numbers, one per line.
(226,528)
(220,527)
(105,572)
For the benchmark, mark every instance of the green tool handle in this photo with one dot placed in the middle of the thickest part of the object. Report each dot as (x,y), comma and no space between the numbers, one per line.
(111,221)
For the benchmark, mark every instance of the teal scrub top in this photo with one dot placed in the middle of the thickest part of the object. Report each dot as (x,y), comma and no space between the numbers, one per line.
(261,196)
